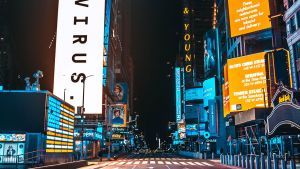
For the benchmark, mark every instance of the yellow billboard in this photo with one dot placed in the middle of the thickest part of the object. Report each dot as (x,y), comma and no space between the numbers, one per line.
(246,16)
(225,89)
(247,82)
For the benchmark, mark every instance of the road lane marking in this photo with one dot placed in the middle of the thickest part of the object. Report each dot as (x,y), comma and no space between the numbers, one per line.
(199,163)
(137,162)
(191,163)
(160,162)
(130,162)
(207,164)
(168,162)
(121,163)
(176,163)
(183,163)
(145,162)
(152,162)
(113,163)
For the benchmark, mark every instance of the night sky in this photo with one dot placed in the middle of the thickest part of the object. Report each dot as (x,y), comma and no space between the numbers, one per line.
(32,26)
(155,23)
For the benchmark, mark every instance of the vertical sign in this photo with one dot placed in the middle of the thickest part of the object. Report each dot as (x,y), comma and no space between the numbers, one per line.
(79,53)
(187,44)
(106,40)
(178,94)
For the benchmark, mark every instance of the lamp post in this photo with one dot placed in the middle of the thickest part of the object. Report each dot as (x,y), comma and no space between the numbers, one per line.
(82,111)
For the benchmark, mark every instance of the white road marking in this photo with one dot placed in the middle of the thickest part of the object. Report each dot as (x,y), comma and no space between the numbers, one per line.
(137,162)
(183,163)
(175,163)
(113,163)
(152,162)
(168,167)
(168,162)
(191,163)
(160,162)
(134,167)
(205,163)
(199,163)
(145,162)
(130,162)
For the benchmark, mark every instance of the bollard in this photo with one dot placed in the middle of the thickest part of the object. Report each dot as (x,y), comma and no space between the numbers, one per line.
(283,163)
(292,164)
(201,156)
(221,158)
(212,155)
(246,161)
(226,160)
(275,161)
(269,166)
(257,163)
(243,162)
(231,159)
(205,155)
(239,160)
(251,161)
(262,161)
(234,160)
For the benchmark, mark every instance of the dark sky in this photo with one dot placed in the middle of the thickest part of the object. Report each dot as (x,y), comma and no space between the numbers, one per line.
(155,23)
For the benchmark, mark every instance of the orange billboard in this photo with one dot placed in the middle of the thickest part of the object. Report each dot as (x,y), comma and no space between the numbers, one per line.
(247,82)
(246,16)
(225,89)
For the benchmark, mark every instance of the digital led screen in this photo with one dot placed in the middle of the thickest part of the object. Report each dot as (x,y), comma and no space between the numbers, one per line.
(225,90)
(191,130)
(210,53)
(60,127)
(178,93)
(121,92)
(79,53)
(119,115)
(193,94)
(247,82)
(209,90)
(12,137)
(106,39)
(12,152)
(246,16)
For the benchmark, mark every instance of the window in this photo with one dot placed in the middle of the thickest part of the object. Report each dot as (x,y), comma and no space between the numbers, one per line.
(298,18)
(292,24)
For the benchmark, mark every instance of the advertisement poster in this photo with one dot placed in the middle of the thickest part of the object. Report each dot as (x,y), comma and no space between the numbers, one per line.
(119,115)
(210,54)
(120,92)
(209,90)
(246,16)
(250,85)
(178,93)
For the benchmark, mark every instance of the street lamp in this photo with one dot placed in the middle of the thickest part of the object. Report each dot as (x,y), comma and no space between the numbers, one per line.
(82,111)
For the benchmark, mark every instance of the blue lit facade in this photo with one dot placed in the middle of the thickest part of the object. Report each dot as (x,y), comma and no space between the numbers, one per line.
(178,93)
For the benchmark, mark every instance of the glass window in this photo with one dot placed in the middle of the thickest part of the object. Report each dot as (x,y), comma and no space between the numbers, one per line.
(292,24)
(298,19)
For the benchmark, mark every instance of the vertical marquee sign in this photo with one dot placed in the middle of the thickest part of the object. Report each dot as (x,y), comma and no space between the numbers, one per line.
(178,94)
(187,44)
(79,53)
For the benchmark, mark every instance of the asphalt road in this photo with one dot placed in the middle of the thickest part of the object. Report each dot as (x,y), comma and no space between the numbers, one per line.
(157,161)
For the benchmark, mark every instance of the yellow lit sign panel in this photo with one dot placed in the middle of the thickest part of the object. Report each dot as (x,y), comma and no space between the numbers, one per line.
(246,16)
(247,82)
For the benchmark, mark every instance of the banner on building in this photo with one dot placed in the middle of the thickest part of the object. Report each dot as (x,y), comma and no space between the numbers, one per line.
(119,115)
(121,92)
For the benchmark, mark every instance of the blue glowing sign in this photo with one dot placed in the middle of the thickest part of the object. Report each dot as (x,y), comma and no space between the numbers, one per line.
(213,114)
(191,130)
(178,94)
(209,90)
(106,39)
(193,94)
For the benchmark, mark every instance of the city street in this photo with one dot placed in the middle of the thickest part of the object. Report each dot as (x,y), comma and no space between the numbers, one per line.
(157,161)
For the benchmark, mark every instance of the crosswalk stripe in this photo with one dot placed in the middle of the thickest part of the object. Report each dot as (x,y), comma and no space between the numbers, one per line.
(121,163)
(130,162)
(145,162)
(152,159)
(137,162)
(175,163)
(207,164)
(191,163)
(160,162)
(183,163)
(168,162)
(113,163)
(152,162)
(199,163)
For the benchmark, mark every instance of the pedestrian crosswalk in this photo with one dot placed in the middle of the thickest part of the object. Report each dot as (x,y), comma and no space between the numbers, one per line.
(153,162)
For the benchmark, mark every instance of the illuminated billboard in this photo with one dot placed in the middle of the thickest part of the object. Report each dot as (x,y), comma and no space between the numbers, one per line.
(178,93)
(247,82)
(210,53)
(247,16)
(193,94)
(79,53)
(225,90)
(209,90)
(121,92)
(106,39)
(119,115)
(60,127)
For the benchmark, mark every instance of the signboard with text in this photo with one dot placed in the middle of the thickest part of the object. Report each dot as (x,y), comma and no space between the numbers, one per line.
(247,76)
(247,16)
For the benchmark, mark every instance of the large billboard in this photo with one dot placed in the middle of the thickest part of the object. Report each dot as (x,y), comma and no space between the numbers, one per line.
(247,16)
(79,53)
(121,92)
(194,94)
(247,82)
(225,90)
(209,90)
(119,115)
(210,54)
(178,93)
(106,39)
(60,127)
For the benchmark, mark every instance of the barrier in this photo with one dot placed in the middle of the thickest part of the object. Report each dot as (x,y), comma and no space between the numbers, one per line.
(251,162)
(262,161)
(275,159)
(257,162)
(243,161)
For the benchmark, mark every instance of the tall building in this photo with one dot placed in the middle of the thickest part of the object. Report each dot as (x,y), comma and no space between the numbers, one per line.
(292,19)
